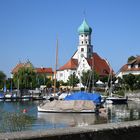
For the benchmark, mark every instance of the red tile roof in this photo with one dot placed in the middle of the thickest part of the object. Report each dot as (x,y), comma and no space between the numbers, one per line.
(71,64)
(101,66)
(17,67)
(125,68)
(132,64)
(27,65)
(44,70)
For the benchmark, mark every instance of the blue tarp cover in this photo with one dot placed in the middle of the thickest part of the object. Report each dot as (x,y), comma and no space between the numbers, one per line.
(95,97)
(1,95)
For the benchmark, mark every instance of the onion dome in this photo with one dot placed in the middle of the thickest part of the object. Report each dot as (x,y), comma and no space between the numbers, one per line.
(84,28)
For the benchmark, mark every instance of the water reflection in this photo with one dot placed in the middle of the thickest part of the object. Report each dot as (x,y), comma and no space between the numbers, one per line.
(72,120)
(127,112)
(12,117)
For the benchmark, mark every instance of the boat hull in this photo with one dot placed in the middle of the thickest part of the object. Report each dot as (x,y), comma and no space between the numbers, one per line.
(64,111)
(117,100)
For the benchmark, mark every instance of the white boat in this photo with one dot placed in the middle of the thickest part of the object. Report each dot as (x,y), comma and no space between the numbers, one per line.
(71,106)
(8,96)
(113,99)
(26,97)
(63,95)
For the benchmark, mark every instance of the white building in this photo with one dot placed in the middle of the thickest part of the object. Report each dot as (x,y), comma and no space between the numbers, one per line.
(83,59)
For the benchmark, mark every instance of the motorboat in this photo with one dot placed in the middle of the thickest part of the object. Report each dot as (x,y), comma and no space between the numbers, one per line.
(116,100)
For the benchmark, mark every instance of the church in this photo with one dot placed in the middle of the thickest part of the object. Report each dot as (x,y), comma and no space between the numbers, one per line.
(84,58)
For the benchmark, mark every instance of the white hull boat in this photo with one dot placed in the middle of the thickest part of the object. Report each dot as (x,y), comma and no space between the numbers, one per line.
(59,106)
(64,111)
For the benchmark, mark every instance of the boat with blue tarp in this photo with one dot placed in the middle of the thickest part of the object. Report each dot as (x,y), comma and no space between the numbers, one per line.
(82,95)
(78,102)
(1,96)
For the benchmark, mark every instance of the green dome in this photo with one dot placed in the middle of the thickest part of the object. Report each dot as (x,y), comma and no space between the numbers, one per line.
(84,28)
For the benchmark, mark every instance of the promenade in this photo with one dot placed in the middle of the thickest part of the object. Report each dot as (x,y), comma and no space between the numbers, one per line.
(112,131)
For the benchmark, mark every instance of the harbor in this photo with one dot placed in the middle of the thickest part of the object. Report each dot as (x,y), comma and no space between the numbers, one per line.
(69,70)
(23,116)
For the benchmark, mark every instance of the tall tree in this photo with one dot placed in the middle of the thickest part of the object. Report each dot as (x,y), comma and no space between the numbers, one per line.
(130,80)
(73,80)
(89,79)
(2,78)
(137,83)
(26,78)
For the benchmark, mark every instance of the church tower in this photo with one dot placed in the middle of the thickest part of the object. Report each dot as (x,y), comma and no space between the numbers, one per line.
(85,49)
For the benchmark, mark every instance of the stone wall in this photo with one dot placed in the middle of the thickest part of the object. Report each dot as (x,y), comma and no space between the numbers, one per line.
(112,131)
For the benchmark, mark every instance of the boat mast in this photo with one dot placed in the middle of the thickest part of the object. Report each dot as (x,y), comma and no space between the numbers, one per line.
(56,63)
(110,80)
(92,73)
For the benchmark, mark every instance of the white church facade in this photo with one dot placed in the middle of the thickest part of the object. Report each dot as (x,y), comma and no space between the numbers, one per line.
(84,58)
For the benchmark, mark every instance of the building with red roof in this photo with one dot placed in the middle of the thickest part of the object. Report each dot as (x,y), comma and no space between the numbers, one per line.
(84,58)
(132,67)
(47,72)
(20,65)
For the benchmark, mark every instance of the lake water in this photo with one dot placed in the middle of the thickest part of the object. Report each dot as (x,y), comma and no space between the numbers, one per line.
(12,117)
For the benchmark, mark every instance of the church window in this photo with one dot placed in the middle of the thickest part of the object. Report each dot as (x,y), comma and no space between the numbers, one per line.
(82,42)
(81,35)
(86,35)
(86,42)
(82,49)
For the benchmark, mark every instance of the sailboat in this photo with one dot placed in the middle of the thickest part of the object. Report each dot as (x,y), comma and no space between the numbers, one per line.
(113,99)
(82,104)
(54,94)
(8,95)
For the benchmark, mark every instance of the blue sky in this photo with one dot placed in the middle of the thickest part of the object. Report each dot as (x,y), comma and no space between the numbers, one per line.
(29,28)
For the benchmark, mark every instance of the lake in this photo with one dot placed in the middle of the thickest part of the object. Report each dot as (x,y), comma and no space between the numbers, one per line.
(14,118)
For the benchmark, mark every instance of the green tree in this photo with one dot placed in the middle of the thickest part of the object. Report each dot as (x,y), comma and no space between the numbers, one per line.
(130,81)
(104,79)
(73,80)
(137,83)
(26,78)
(2,78)
(131,58)
(89,79)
